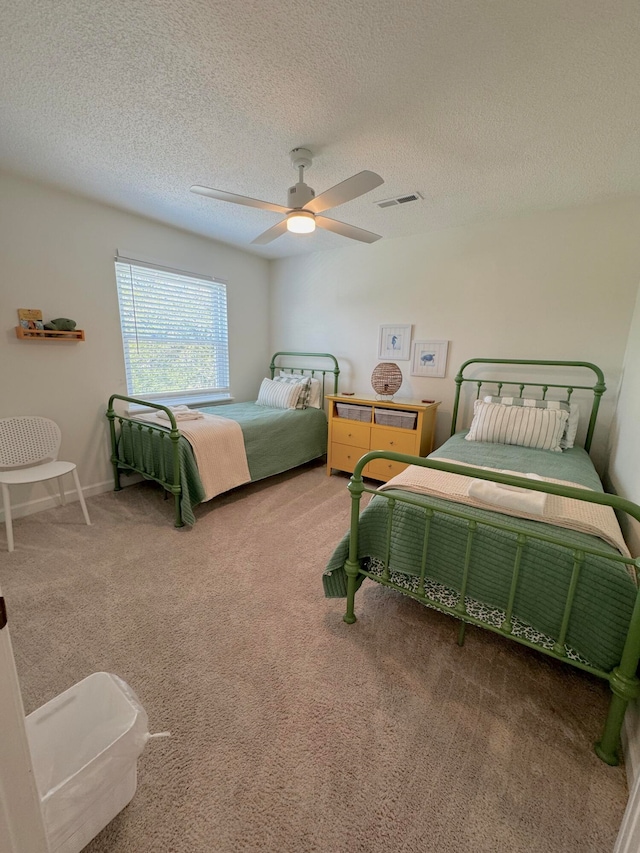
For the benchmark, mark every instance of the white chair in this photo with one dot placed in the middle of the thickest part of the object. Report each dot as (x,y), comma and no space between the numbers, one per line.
(29,449)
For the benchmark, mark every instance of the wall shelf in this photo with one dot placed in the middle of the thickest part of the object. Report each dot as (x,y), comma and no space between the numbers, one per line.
(48,335)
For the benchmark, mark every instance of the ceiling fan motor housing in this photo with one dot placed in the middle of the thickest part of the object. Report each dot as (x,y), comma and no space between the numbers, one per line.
(299,195)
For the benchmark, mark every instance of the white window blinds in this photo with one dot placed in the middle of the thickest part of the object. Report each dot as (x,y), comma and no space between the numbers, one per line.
(174,331)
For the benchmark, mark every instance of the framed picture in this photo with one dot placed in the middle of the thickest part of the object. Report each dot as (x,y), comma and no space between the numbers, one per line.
(429,358)
(394,343)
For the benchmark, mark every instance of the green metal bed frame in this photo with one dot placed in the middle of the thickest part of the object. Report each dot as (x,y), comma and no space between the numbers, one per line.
(168,476)
(622,679)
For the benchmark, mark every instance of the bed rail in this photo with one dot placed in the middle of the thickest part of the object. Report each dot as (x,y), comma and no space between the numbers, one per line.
(150,465)
(622,679)
(597,389)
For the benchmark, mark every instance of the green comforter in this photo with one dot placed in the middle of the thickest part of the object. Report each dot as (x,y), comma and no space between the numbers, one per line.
(605,595)
(275,440)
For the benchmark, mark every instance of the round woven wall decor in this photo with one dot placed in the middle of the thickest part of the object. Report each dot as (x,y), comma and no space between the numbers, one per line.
(386,378)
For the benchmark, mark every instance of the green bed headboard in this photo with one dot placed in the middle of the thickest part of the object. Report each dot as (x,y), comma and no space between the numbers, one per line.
(597,389)
(314,372)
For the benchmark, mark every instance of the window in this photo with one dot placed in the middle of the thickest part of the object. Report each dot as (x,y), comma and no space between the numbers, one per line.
(174,333)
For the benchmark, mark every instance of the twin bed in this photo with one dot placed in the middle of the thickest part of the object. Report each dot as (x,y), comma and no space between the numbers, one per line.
(432,533)
(275,439)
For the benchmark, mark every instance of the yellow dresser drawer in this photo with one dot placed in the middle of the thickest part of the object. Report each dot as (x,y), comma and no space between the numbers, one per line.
(393,439)
(345,456)
(351,433)
(384,469)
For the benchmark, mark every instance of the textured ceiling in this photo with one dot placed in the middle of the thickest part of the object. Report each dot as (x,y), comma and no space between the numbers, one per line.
(486,107)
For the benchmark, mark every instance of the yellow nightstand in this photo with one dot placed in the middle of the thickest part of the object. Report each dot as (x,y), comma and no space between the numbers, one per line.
(360,424)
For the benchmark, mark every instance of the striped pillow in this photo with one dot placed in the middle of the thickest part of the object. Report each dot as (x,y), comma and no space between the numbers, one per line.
(571,428)
(298,379)
(526,426)
(529,401)
(315,389)
(278,395)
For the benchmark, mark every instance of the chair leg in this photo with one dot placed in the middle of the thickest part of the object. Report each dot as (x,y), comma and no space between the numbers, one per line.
(81,496)
(7,516)
(63,499)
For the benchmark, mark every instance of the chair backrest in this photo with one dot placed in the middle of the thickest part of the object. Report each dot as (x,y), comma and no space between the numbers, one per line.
(28,440)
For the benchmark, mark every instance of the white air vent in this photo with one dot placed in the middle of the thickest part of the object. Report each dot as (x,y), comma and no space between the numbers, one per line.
(400,199)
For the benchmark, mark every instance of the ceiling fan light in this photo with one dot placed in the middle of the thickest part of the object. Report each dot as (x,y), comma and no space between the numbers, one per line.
(301,222)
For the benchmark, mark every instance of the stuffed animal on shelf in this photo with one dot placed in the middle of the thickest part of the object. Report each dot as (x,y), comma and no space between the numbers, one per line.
(62,324)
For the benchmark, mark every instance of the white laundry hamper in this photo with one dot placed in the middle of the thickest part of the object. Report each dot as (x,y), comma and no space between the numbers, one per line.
(84,747)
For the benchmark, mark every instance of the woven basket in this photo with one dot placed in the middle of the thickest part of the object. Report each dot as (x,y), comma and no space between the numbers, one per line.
(386,378)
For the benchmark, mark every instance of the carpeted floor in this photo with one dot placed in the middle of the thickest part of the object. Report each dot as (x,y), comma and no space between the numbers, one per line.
(292,731)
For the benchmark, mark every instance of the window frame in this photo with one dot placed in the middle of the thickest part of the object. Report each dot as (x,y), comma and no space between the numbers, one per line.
(200,396)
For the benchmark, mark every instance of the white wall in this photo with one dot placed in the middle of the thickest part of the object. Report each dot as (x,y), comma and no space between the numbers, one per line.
(557,284)
(57,254)
(623,477)
(624,459)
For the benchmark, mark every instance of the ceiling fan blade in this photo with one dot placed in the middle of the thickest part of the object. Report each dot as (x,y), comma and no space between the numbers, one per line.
(347,230)
(353,187)
(271,233)
(221,195)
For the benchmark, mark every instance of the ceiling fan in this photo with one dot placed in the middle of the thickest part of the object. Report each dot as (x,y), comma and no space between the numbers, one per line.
(304,206)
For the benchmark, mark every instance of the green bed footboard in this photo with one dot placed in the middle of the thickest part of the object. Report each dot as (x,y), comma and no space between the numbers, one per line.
(130,450)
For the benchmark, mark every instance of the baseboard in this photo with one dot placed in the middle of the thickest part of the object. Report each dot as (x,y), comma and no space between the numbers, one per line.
(631,743)
(39,504)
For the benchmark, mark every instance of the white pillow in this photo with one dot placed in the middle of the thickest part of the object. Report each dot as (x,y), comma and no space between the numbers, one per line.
(571,428)
(278,395)
(526,426)
(305,386)
(315,396)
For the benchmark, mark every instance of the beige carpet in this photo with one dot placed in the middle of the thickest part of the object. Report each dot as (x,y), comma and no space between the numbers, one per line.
(293,731)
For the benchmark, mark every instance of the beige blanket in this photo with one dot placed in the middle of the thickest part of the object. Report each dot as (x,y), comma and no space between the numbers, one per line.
(583,516)
(218,447)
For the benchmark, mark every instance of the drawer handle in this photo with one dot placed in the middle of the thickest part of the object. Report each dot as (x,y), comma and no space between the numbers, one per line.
(391,443)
